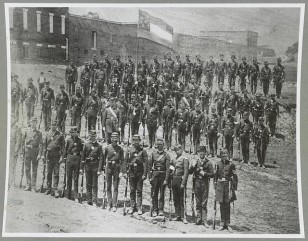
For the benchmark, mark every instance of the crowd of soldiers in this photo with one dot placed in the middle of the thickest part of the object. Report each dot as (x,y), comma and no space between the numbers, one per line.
(176,96)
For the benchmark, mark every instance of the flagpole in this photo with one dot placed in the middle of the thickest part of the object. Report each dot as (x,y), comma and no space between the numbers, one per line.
(137,50)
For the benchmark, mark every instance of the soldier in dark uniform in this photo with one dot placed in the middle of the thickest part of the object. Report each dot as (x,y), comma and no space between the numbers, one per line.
(122,106)
(107,68)
(62,106)
(91,162)
(168,116)
(54,143)
(143,68)
(233,70)
(160,99)
(30,97)
(232,101)
(209,70)
(76,105)
(16,96)
(212,132)
(205,96)
(257,108)
(182,123)
(158,173)
(221,69)
(48,102)
(118,69)
(135,115)
(113,164)
(278,77)
(155,69)
(228,129)
(198,121)
(187,69)
(85,79)
(202,170)
(180,167)
(178,68)
(32,141)
(94,66)
(71,78)
(261,138)
(136,160)
(129,70)
(244,104)
(265,76)
(168,69)
(226,182)
(243,71)
(92,110)
(198,69)
(41,81)
(151,115)
(72,155)
(100,79)
(253,74)
(114,87)
(271,113)
(111,118)
(244,135)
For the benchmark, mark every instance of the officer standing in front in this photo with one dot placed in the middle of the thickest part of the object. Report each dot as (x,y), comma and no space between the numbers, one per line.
(30,97)
(244,135)
(136,161)
(62,105)
(180,167)
(261,137)
(48,102)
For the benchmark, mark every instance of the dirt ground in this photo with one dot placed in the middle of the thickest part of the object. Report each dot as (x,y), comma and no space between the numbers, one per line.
(267,198)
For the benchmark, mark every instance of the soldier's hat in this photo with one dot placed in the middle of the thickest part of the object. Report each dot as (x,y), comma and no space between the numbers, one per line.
(232,88)
(136,136)
(114,134)
(33,119)
(160,85)
(133,95)
(177,56)
(243,58)
(86,63)
(229,109)
(279,59)
(73,130)
(93,91)
(93,133)
(78,88)
(202,149)
(142,57)
(221,55)
(273,95)
(151,98)
(42,72)
(233,56)
(213,109)
(101,62)
(47,82)
(224,152)
(261,118)
(94,55)
(246,113)
(30,79)
(254,60)
(54,123)
(160,140)
(177,147)
(198,104)
(187,55)
(112,99)
(258,95)
(155,57)
(129,56)
(62,86)
(265,62)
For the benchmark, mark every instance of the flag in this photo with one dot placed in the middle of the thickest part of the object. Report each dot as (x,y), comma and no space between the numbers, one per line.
(144,20)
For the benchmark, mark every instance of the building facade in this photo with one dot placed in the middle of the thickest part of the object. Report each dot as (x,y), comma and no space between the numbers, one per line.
(39,35)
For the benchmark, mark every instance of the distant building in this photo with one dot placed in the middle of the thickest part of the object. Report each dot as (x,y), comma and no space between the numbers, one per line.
(265,53)
(39,35)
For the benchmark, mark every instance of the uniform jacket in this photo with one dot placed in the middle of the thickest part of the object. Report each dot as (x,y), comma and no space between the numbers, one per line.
(159,163)
(228,125)
(33,141)
(30,93)
(76,103)
(92,153)
(151,115)
(181,168)
(113,159)
(54,143)
(71,74)
(62,101)
(73,147)
(109,121)
(47,97)
(204,165)
(136,161)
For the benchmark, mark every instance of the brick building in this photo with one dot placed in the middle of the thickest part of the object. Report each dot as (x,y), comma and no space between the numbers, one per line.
(90,36)
(39,35)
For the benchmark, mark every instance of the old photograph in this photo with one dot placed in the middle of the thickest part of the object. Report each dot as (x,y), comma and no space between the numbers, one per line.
(153,120)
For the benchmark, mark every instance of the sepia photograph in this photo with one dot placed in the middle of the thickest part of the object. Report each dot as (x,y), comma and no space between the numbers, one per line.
(153,120)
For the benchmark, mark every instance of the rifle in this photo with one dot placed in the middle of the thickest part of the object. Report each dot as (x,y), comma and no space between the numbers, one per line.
(81,186)
(39,126)
(64,185)
(193,198)
(215,203)
(190,143)
(44,169)
(185,206)
(222,141)
(86,127)
(143,135)
(126,183)
(23,163)
(104,192)
(239,149)
(170,199)
(63,123)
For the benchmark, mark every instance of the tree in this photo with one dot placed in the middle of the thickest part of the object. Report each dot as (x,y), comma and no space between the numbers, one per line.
(292,51)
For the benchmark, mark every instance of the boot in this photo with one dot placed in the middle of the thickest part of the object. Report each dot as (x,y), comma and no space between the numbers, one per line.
(27,188)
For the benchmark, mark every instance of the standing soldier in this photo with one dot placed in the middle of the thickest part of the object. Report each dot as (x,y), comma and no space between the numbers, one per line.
(143,68)
(160,99)
(198,121)
(48,102)
(111,119)
(136,160)
(221,69)
(205,96)
(272,112)
(198,69)
(187,69)
(228,126)
(257,108)
(54,143)
(30,97)
(178,68)
(155,69)
(100,79)
(92,110)
(113,164)
(209,70)
(168,116)
(85,79)
(244,136)
(118,69)
(158,173)
(91,163)
(107,68)
(265,75)
(212,132)
(16,95)
(253,74)
(129,70)
(151,115)
(244,104)
(122,106)
(278,76)
(32,140)
(202,170)
(76,109)
(62,106)
(233,70)
(71,75)
(261,137)
(180,167)
(72,154)
(168,68)
(41,81)
(243,70)
(94,66)
(182,121)
(226,181)
(232,101)
(134,115)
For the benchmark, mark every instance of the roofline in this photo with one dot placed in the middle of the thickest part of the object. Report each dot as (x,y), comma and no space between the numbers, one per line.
(102,20)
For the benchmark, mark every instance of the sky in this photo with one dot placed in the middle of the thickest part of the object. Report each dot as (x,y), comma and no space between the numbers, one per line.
(276,27)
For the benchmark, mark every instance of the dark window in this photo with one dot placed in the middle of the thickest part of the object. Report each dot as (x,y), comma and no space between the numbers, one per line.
(51,53)
(39,52)
(85,51)
(63,53)
(76,34)
(101,52)
(25,51)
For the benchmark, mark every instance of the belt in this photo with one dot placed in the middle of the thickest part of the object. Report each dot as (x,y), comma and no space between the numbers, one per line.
(159,169)
(74,154)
